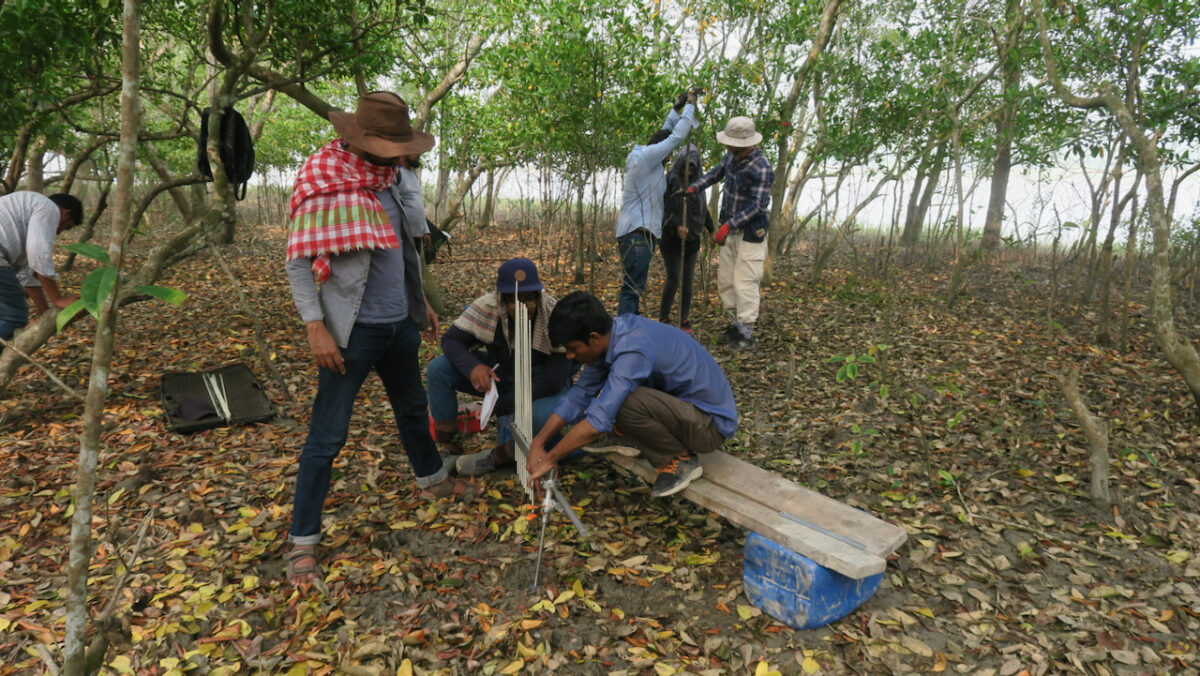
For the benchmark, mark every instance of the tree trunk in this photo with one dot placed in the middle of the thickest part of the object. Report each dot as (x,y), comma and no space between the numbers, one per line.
(35,178)
(489,204)
(915,218)
(1104,264)
(580,238)
(16,160)
(1133,263)
(1096,431)
(89,451)
(1006,122)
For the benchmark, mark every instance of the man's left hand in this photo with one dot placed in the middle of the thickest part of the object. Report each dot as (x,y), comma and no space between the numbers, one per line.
(433,330)
(539,462)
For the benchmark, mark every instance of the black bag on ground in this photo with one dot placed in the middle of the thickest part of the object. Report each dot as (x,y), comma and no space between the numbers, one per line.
(236,146)
(230,395)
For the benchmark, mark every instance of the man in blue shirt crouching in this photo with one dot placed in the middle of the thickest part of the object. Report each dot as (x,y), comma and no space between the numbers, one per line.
(654,382)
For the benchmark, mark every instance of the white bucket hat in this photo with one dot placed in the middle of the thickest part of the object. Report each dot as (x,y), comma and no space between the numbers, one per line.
(739,133)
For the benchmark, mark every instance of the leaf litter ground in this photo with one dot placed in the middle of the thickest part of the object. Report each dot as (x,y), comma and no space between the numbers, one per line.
(956,432)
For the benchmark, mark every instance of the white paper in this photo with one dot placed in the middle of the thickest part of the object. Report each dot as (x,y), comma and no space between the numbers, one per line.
(489,405)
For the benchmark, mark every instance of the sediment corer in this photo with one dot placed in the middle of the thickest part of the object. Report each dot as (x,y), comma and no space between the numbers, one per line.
(553,500)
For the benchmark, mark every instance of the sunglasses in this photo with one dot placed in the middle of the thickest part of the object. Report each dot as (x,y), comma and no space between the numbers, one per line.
(524,297)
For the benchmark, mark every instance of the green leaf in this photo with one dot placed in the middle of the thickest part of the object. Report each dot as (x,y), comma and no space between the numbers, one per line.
(90,250)
(96,288)
(867,359)
(852,370)
(172,296)
(66,314)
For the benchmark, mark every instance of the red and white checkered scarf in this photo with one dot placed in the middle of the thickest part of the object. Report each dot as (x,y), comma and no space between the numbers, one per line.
(334,208)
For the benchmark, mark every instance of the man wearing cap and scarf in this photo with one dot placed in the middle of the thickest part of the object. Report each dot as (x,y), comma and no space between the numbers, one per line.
(743,232)
(478,350)
(356,280)
(639,224)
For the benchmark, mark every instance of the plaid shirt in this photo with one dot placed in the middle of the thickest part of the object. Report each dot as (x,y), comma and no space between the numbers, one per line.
(334,208)
(747,192)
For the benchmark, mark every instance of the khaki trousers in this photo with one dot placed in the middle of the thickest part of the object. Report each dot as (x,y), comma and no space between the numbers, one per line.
(739,270)
(665,427)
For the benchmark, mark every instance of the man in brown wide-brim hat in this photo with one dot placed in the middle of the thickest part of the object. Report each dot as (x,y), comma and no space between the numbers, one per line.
(356,280)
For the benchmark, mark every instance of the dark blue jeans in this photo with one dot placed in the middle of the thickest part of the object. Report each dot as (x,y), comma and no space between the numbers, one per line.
(391,351)
(637,248)
(14,310)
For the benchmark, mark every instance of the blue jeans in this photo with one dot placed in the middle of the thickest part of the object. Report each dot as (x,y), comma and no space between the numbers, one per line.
(637,248)
(445,381)
(391,351)
(14,310)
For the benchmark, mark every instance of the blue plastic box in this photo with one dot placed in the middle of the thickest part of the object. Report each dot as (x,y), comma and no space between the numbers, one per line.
(798,591)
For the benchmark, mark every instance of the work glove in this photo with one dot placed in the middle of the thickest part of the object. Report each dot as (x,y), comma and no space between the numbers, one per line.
(722,233)
(680,101)
(691,97)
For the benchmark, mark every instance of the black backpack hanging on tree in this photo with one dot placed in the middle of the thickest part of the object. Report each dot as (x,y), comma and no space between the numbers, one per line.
(236,147)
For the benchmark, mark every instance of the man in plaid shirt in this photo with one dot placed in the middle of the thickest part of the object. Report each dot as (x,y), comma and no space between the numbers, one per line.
(743,232)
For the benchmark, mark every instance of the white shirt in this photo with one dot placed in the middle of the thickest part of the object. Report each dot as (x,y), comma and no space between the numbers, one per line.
(28,225)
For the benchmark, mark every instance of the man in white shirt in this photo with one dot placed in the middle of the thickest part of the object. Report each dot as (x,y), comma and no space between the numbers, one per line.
(29,223)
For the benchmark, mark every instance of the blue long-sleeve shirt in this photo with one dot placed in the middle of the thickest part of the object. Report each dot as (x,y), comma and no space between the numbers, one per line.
(645,180)
(747,193)
(643,352)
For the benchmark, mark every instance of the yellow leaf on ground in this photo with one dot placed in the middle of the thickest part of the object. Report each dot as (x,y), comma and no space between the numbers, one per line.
(810,666)
(406,668)
(513,667)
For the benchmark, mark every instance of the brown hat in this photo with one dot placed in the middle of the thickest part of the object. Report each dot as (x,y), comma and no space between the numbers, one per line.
(381,127)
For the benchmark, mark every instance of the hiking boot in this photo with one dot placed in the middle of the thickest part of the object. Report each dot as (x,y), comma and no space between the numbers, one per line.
(687,328)
(729,335)
(676,475)
(742,343)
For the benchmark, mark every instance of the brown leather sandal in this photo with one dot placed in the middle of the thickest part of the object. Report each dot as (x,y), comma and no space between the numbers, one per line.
(301,562)
(456,489)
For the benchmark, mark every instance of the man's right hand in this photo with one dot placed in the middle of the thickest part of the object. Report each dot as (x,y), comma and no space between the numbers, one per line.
(682,232)
(64,302)
(324,347)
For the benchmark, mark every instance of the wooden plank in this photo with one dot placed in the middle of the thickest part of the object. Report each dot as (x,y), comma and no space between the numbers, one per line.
(827,551)
(778,494)
(774,491)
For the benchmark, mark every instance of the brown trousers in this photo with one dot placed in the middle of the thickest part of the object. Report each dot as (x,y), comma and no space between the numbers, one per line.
(665,427)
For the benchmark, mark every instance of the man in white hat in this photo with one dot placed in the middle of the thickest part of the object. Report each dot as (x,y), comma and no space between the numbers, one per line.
(744,224)
(356,281)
